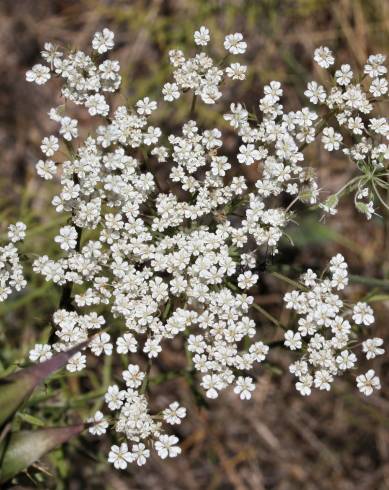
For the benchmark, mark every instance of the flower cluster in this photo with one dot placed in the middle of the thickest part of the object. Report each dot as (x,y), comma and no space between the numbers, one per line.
(201,74)
(356,129)
(161,265)
(135,422)
(11,270)
(327,332)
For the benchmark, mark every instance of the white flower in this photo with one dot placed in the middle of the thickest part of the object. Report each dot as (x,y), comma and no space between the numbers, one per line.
(346,360)
(244,387)
(40,352)
(372,347)
(293,340)
(368,382)
(331,139)
(97,105)
(103,41)
(109,70)
(344,75)
(323,380)
(248,154)
(247,280)
(146,106)
(363,314)
(39,74)
(378,87)
(120,456)
(273,91)
(234,43)
(99,424)
(152,347)
(315,93)
(259,350)
(49,145)
(170,91)
(114,397)
(67,238)
(174,413)
(379,125)
(17,232)
(126,343)
(101,343)
(236,71)
(212,383)
(140,454)
(323,57)
(165,446)
(133,376)
(375,65)
(202,37)
(76,363)
(46,169)
(68,128)
(168,262)
(304,385)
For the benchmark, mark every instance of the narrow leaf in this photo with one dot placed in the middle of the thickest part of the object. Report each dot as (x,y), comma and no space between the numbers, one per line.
(17,387)
(26,417)
(25,447)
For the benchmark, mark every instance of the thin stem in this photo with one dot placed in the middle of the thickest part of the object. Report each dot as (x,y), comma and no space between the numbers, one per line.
(146,379)
(65,301)
(287,280)
(192,113)
(348,184)
(292,203)
(380,198)
(269,316)
(370,281)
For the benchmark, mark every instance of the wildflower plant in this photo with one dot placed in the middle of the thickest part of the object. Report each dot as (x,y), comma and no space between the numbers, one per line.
(182,262)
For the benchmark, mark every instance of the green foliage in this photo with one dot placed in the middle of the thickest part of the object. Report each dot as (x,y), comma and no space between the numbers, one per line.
(25,447)
(20,449)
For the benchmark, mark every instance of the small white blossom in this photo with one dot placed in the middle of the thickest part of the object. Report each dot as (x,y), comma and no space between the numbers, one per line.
(368,382)
(103,41)
(120,456)
(372,347)
(174,413)
(234,43)
(202,37)
(323,57)
(39,74)
(67,238)
(165,447)
(40,352)
(363,314)
(244,387)
(49,145)
(98,423)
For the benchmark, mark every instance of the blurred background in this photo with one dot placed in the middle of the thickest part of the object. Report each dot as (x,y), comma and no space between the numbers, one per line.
(336,440)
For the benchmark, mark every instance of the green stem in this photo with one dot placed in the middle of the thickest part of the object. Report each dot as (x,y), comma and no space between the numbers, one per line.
(287,280)
(370,281)
(192,113)
(270,317)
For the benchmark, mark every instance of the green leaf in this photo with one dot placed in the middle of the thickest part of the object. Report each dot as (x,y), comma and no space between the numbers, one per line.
(26,417)
(24,447)
(17,387)
(378,297)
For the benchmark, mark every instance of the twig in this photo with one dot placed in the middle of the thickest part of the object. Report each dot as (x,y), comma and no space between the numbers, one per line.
(192,112)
